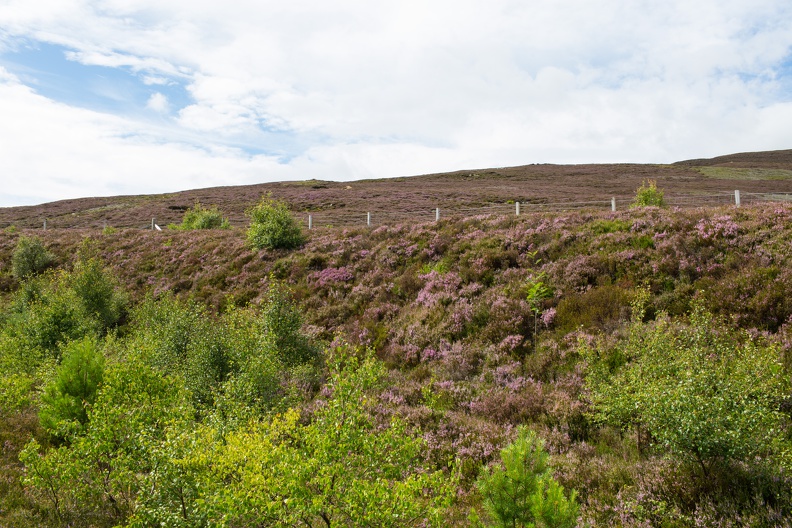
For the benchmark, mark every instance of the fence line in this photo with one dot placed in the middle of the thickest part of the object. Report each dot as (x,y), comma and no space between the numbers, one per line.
(347,218)
(355,219)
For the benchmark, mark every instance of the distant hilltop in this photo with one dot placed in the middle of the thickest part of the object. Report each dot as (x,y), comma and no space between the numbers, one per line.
(750,172)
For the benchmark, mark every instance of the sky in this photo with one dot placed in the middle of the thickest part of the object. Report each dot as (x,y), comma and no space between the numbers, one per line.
(113,97)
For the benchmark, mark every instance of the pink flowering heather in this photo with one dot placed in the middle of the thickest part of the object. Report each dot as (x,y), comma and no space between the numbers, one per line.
(718,227)
(548,316)
(331,276)
(440,288)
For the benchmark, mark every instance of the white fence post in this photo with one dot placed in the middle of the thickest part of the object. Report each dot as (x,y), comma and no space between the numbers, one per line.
(517,208)
(45,224)
(437,214)
(368,219)
(737,197)
(613,203)
(152,223)
(310,222)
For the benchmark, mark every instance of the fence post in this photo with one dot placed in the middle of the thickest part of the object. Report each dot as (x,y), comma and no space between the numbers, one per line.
(517,208)
(368,219)
(310,222)
(613,203)
(45,224)
(152,223)
(737,197)
(437,214)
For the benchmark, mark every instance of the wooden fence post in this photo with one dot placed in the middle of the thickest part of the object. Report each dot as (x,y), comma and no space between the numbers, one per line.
(613,203)
(437,214)
(737,197)
(310,222)
(368,219)
(517,208)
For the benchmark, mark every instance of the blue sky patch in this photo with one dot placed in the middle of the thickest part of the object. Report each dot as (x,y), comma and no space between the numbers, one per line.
(48,71)
(122,91)
(784,76)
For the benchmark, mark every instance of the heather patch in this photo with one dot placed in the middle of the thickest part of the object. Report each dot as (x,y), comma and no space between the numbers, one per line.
(470,353)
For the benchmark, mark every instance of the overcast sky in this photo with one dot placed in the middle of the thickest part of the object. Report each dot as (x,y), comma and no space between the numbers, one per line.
(148,96)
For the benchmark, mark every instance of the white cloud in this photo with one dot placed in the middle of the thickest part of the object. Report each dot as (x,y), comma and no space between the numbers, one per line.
(158,103)
(366,89)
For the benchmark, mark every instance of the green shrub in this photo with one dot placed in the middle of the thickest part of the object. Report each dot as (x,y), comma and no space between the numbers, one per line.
(343,468)
(245,355)
(162,328)
(41,325)
(272,226)
(600,308)
(643,242)
(96,479)
(522,491)
(200,217)
(702,391)
(98,291)
(283,326)
(65,402)
(30,258)
(602,227)
(648,195)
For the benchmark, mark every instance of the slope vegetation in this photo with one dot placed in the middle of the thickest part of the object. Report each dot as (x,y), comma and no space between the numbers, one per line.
(623,368)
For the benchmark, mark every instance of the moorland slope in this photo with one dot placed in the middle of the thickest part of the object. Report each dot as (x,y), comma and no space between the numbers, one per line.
(649,348)
(400,199)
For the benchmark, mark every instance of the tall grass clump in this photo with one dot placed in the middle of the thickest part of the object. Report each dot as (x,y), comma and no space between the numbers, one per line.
(272,226)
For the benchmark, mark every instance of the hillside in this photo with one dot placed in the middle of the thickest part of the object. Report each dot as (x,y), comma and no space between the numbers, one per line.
(398,199)
(586,327)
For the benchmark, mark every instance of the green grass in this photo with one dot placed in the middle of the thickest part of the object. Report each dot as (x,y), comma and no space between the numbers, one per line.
(737,173)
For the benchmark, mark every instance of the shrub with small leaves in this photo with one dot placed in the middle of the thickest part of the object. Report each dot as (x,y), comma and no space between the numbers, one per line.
(98,291)
(30,258)
(200,217)
(648,195)
(703,391)
(272,226)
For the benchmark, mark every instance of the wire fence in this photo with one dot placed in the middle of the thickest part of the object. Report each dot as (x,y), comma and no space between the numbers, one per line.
(333,218)
(318,220)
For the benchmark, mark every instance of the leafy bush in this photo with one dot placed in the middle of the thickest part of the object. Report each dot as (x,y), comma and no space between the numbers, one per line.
(96,478)
(163,327)
(341,469)
(98,291)
(199,217)
(40,325)
(522,492)
(272,226)
(30,258)
(702,391)
(648,195)
(239,359)
(283,326)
